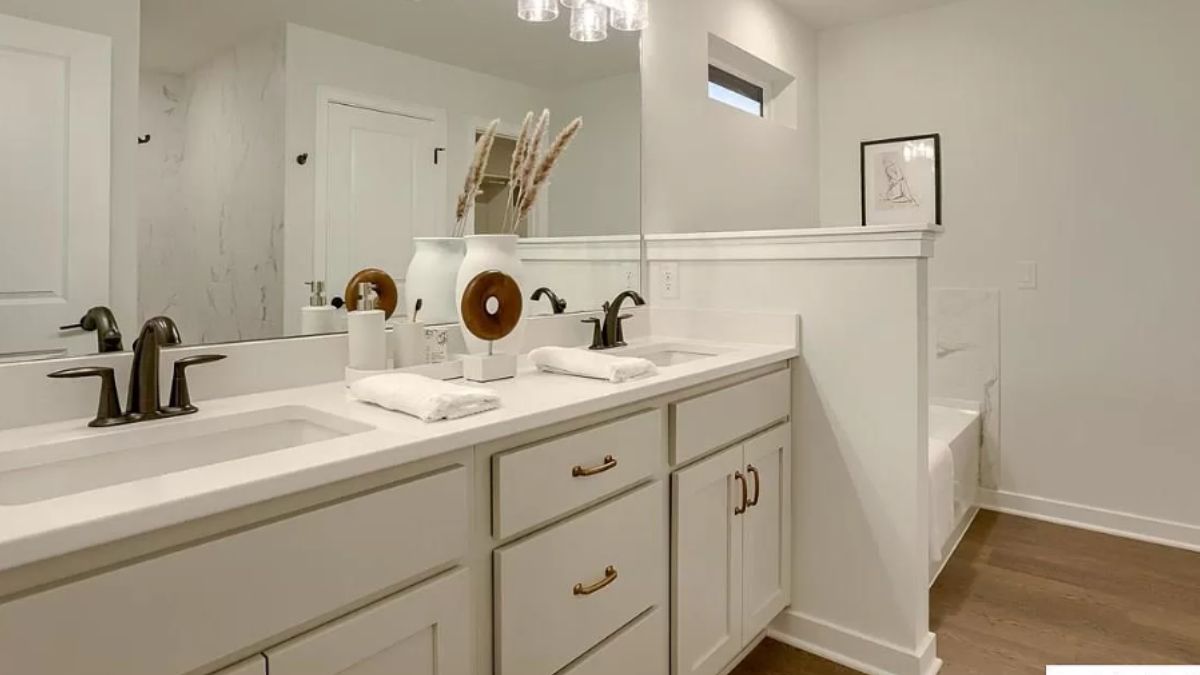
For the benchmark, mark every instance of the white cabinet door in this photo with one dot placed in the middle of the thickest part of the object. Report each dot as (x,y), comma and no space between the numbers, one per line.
(766,532)
(706,598)
(421,631)
(54,185)
(256,665)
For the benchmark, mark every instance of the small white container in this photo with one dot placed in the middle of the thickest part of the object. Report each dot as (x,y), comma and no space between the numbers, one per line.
(408,344)
(368,335)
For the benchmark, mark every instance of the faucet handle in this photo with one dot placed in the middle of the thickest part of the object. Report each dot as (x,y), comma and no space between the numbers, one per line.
(181,399)
(597,332)
(620,341)
(108,411)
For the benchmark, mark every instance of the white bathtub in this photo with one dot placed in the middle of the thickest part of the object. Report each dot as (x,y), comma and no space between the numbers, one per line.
(958,424)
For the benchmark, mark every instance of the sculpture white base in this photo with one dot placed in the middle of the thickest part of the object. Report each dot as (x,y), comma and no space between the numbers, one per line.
(485,368)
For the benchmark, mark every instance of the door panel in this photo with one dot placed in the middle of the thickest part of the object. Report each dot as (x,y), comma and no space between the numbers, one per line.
(706,596)
(383,189)
(766,535)
(422,631)
(54,184)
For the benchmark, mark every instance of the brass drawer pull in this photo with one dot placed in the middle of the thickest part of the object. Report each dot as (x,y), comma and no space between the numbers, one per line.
(610,575)
(741,478)
(610,462)
(757,486)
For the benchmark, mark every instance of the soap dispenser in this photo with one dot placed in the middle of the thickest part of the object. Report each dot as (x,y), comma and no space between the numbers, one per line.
(368,338)
(319,317)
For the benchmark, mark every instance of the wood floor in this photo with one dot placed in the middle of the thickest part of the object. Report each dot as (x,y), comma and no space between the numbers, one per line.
(1021,594)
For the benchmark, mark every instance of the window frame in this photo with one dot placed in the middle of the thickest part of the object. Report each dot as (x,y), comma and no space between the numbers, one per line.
(731,80)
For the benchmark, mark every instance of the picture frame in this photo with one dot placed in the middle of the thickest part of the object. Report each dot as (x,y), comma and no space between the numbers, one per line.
(901,180)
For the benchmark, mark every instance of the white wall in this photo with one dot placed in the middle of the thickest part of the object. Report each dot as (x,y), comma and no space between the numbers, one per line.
(707,166)
(211,246)
(599,179)
(860,420)
(317,58)
(1069,138)
(118,19)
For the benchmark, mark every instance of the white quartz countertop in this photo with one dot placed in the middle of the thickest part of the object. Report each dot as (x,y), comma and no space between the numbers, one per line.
(52,527)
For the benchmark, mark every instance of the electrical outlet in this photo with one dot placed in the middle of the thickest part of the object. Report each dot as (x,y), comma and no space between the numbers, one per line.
(1027,278)
(668,281)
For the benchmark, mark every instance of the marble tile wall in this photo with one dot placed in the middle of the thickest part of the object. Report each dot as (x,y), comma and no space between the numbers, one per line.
(965,365)
(211,195)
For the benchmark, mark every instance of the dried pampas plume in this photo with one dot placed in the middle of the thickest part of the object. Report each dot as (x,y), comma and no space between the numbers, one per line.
(541,176)
(474,181)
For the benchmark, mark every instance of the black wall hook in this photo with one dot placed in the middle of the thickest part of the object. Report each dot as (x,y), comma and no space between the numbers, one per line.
(142,140)
(302,159)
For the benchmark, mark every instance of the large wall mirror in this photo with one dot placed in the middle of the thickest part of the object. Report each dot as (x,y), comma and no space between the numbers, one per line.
(287,142)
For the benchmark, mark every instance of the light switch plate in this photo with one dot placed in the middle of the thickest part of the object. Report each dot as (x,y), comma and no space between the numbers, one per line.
(1027,277)
(668,281)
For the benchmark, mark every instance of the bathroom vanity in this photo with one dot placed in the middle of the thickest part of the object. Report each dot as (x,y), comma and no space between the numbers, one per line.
(583,528)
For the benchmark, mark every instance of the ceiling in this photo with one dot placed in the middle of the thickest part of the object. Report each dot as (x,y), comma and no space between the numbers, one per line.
(829,13)
(481,35)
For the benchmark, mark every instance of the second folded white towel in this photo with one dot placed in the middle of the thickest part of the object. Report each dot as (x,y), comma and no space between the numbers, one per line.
(423,397)
(568,361)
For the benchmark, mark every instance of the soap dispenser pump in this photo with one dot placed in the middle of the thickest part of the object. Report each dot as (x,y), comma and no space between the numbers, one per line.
(368,338)
(319,317)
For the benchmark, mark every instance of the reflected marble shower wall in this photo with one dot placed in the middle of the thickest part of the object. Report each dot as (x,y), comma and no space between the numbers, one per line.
(211,195)
(966,362)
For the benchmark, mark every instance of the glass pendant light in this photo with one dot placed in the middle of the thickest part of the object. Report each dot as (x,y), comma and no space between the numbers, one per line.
(589,22)
(574,4)
(630,15)
(537,11)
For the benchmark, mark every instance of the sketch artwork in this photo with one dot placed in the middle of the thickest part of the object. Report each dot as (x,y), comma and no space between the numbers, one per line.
(901,181)
(894,191)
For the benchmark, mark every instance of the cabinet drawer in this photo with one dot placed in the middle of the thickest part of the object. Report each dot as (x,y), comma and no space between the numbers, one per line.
(552,603)
(711,421)
(422,631)
(185,609)
(537,483)
(640,647)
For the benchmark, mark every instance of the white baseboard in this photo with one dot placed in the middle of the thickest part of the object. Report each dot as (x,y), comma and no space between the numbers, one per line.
(1153,530)
(853,649)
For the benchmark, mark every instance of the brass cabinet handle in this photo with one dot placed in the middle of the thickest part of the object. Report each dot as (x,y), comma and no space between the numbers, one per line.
(757,485)
(610,575)
(741,478)
(610,462)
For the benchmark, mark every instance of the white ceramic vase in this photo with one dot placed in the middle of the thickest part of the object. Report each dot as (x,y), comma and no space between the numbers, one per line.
(487,252)
(431,277)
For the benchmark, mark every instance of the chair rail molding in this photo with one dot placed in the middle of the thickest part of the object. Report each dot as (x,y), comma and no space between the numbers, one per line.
(816,243)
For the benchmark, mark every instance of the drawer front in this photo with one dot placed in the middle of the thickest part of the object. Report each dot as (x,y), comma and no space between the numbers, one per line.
(185,609)
(640,647)
(422,631)
(706,423)
(540,482)
(562,591)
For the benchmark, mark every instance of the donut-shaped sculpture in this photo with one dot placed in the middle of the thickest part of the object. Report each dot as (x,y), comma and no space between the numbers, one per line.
(498,320)
(385,288)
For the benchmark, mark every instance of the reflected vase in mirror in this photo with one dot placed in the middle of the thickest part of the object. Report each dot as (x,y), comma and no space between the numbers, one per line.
(491,252)
(432,277)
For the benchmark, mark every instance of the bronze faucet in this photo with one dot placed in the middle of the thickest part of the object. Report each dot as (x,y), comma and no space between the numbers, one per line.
(611,334)
(101,320)
(144,402)
(557,304)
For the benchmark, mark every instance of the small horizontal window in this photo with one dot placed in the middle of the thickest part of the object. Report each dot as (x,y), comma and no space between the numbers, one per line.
(734,91)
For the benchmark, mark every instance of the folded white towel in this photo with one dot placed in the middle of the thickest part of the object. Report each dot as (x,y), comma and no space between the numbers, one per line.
(941,497)
(422,397)
(590,364)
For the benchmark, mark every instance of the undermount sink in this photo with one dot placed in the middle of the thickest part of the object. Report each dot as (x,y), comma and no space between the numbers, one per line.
(154,449)
(663,355)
